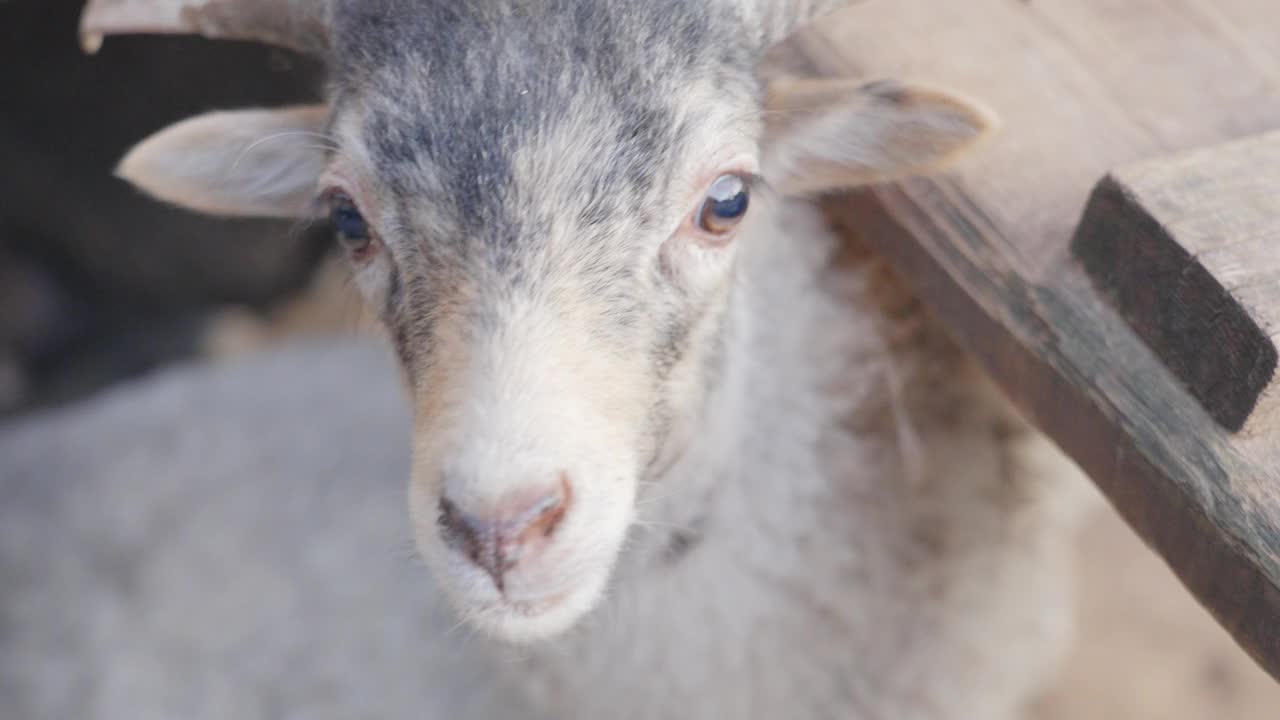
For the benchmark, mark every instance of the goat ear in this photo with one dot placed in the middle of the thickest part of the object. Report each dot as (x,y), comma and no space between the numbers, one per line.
(832,134)
(250,163)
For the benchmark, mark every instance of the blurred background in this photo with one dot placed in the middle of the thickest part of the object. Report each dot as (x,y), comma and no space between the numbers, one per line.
(102,289)
(98,284)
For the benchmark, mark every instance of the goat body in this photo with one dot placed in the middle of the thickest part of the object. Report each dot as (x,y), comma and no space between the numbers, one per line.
(631,393)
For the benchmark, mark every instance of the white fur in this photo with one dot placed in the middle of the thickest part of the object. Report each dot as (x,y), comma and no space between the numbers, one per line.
(514,410)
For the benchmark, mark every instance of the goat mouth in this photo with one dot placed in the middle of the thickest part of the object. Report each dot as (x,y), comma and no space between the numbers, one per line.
(531,619)
(535,606)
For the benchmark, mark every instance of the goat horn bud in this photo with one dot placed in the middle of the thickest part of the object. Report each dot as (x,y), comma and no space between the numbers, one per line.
(295,24)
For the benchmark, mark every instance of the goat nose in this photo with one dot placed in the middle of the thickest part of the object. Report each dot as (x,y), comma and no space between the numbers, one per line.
(517,526)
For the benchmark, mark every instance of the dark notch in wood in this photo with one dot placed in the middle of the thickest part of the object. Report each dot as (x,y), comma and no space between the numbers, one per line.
(1199,330)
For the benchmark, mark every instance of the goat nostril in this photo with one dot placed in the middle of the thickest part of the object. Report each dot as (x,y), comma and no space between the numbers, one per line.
(544,515)
(460,531)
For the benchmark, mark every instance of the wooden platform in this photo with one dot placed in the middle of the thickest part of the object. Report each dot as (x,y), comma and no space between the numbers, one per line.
(1143,339)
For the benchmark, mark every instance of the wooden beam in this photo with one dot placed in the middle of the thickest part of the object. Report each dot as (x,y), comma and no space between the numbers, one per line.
(1084,88)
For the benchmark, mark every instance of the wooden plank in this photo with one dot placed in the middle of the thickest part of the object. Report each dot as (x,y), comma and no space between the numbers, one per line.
(1083,88)
(1174,243)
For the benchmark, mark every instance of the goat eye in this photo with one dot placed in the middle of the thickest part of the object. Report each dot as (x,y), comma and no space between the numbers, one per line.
(725,205)
(349,224)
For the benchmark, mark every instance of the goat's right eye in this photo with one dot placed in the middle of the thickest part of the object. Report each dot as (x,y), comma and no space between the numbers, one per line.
(725,204)
(350,226)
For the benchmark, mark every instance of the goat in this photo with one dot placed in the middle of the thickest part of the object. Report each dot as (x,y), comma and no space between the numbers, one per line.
(635,364)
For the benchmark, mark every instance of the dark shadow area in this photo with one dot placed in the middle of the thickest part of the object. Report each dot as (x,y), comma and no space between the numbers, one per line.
(98,283)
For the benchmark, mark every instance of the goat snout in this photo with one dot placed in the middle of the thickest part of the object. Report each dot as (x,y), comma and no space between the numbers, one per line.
(512,531)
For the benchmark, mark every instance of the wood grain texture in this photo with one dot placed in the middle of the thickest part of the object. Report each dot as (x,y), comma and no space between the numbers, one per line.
(1172,241)
(1083,88)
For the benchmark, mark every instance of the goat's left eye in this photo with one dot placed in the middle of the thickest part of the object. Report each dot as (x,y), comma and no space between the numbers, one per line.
(725,205)
(350,225)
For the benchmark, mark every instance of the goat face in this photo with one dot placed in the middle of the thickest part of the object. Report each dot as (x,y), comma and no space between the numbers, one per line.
(542,200)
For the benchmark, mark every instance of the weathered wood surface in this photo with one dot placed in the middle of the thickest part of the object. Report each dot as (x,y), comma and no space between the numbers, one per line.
(1085,87)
